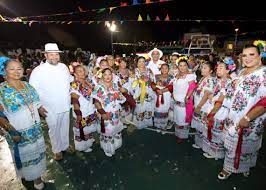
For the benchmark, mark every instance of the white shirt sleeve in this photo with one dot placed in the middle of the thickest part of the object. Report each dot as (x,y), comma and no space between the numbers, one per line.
(34,79)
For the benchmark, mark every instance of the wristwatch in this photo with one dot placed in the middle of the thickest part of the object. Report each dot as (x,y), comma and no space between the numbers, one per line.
(247,118)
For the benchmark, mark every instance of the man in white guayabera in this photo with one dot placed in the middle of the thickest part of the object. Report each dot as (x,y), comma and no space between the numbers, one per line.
(52,82)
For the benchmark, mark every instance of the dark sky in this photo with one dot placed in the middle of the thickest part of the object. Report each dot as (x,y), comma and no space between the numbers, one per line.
(97,37)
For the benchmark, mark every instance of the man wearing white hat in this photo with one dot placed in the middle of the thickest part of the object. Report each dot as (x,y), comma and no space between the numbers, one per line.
(52,82)
(155,63)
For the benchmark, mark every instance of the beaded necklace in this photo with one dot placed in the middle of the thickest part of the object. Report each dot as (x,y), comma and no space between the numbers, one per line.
(28,101)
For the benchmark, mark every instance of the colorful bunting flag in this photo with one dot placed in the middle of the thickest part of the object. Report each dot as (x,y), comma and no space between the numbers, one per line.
(111,8)
(123,4)
(167,18)
(3,19)
(135,2)
(101,10)
(30,23)
(140,18)
(148,17)
(80,9)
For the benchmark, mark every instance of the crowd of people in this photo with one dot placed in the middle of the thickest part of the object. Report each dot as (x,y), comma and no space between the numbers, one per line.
(221,100)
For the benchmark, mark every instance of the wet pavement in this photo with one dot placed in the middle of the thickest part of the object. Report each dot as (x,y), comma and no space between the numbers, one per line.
(147,160)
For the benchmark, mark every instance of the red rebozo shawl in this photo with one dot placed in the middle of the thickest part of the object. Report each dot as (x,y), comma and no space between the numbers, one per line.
(189,105)
(262,103)
(155,89)
(130,100)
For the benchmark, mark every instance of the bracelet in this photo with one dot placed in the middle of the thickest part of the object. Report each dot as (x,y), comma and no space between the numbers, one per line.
(218,102)
(247,118)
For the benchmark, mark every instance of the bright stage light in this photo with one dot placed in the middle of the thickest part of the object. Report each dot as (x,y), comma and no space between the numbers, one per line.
(112,28)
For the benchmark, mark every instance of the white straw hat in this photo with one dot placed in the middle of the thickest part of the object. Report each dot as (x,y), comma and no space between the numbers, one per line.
(155,49)
(51,48)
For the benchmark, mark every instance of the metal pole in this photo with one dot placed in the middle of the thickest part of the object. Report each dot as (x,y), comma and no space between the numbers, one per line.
(112,43)
(235,39)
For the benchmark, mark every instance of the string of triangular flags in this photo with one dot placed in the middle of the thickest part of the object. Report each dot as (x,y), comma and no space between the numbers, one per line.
(81,10)
(139,19)
(157,18)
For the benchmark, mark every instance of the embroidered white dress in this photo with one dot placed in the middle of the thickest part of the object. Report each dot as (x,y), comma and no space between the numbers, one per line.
(126,82)
(110,100)
(198,120)
(144,111)
(214,145)
(249,90)
(31,147)
(161,113)
(88,113)
(180,88)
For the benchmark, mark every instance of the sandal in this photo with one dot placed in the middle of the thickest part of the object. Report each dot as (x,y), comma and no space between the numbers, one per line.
(70,150)
(223,175)
(108,154)
(207,155)
(246,174)
(87,150)
(195,146)
(39,186)
(58,156)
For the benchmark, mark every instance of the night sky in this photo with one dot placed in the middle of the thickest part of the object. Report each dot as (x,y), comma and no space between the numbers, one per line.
(97,38)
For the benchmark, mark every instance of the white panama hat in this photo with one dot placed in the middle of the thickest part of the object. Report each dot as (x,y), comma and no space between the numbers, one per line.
(155,49)
(51,48)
